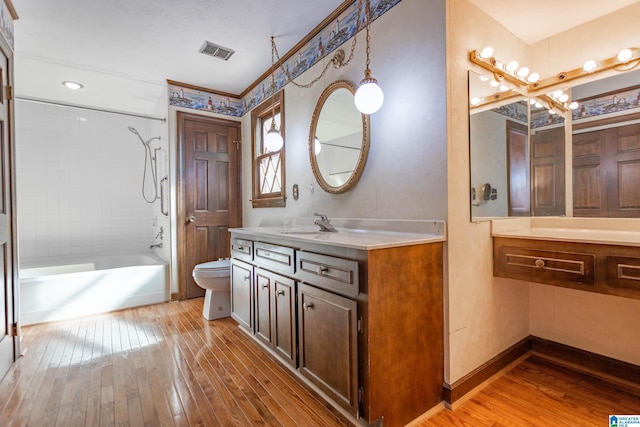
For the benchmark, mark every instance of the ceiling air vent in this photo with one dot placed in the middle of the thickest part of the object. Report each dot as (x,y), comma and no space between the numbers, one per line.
(216,51)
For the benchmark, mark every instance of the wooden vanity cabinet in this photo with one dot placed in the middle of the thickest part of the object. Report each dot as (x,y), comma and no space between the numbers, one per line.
(275,311)
(367,324)
(242,293)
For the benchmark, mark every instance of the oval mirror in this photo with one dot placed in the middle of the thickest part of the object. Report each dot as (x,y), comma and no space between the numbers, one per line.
(338,139)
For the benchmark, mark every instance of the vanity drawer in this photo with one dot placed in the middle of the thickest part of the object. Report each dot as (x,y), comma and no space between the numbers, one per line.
(242,249)
(623,272)
(337,274)
(544,266)
(274,257)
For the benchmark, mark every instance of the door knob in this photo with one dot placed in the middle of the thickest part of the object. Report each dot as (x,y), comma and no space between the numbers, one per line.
(192,218)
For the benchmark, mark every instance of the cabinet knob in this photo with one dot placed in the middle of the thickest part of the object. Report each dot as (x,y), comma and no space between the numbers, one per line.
(280,293)
(321,269)
(307,305)
(241,248)
(539,263)
(246,278)
(265,285)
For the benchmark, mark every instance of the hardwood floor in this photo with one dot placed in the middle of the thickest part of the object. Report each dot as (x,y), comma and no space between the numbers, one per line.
(165,365)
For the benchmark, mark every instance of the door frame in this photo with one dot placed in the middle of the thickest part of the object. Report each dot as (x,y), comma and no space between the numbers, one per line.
(180,212)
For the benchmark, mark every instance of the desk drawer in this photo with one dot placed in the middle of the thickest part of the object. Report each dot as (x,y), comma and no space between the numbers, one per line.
(544,266)
(274,257)
(623,272)
(324,271)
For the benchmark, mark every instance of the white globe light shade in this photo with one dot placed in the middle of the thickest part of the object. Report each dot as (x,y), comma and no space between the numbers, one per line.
(273,141)
(368,98)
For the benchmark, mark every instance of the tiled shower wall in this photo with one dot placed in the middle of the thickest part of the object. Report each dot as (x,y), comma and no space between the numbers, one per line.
(79,181)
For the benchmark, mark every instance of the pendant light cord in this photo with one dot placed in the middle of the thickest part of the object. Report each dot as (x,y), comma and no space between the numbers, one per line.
(328,64)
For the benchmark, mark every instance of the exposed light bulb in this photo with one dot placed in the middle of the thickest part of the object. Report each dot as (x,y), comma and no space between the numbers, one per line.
(512,66)
(494,83)
(574,105)
(504,88)
(486,52)
(563,98)
(475,100)
(538,105)
(551,111)
(369,96)
(625,55)
(533,77)
(317,147)
(589,66)
(557,94)
(483,78)
(532,101)
(523,72)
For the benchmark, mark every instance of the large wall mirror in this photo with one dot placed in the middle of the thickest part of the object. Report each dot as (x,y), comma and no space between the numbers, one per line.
(517,151)
(338,139)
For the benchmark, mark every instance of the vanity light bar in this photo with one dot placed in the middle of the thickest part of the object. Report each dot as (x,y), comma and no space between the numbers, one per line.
(496,97)
(497,68)
(607,64)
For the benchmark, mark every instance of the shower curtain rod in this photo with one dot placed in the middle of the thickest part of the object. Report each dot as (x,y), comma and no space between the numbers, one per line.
(82,107)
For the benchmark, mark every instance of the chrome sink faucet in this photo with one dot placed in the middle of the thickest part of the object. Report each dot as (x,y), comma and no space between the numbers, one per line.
(323,223)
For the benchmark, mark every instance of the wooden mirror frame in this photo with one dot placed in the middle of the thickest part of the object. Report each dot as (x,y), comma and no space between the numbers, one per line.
(359,167)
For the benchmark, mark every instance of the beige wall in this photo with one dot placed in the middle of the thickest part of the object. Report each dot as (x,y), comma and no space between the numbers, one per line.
(485,316)
(602,324)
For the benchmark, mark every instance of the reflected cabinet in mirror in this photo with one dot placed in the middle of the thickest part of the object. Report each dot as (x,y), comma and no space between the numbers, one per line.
(519,156)
(338,139)
(517,153)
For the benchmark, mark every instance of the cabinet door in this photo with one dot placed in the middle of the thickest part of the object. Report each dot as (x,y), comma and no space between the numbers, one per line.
(328,343)
(284,319)
(242,293)
(263,305)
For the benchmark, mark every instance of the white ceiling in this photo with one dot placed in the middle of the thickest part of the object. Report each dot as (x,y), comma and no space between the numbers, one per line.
(535,20)
(155,40)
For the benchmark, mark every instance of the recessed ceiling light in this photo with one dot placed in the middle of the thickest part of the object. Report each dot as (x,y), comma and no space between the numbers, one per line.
(72,85)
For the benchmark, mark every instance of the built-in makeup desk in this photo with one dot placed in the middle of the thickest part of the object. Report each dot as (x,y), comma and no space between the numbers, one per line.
(591,254)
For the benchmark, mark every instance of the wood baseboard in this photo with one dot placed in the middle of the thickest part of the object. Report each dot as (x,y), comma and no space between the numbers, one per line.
(575,357)
(586,360)
(455,391)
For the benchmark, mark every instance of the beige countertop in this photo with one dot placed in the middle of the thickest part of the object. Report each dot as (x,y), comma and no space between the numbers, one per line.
(357,238)
(611,231)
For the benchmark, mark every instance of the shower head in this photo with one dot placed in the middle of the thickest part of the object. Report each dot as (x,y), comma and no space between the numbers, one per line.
(133,130)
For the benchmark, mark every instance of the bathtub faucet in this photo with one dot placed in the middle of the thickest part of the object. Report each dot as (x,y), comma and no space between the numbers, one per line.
(157,245)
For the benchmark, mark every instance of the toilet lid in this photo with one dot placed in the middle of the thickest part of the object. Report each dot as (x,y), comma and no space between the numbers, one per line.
(221,264)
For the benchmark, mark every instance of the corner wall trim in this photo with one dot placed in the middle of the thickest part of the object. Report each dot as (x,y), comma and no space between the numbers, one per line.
(455,391)
(574,357)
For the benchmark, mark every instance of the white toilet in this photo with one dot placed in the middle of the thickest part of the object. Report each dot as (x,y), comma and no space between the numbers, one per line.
(214,278)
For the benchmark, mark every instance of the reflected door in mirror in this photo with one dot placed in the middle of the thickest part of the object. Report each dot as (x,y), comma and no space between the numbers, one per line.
(518,169)
(547,172)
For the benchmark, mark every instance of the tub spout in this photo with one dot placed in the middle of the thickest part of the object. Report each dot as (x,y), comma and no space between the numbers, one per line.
(157,245)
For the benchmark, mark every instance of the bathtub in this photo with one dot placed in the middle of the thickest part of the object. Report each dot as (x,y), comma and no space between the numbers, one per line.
(66,287)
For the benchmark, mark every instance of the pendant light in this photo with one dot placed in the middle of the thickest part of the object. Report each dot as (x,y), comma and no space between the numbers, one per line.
(369,96)
(273,140)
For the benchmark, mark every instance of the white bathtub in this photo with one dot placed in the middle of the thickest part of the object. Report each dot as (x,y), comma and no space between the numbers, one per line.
(62,288)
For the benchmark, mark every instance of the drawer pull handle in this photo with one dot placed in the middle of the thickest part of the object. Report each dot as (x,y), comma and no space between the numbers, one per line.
(321,269)
(280,293)
(246,278)
(265,285)
(307,305)
(539,263)
(241,248)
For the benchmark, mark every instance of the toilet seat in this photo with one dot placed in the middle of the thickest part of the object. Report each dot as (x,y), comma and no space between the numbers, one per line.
(211,269)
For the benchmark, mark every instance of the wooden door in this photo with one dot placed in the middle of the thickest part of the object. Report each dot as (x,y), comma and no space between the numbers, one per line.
(8,282)
(327,329)
(547,172)
(623,171)
(209,201)
(518,187)
(606,172)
